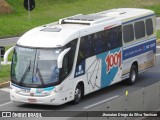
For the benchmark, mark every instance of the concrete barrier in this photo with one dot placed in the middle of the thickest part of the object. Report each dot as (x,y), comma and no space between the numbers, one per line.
(145,99)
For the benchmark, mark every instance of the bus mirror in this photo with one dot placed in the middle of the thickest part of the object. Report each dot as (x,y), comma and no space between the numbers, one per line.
(61,56)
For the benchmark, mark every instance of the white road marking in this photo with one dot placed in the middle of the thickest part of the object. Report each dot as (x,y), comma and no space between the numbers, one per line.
(89,106)
(5,89)
(5,103)
(157,54)
(158,46)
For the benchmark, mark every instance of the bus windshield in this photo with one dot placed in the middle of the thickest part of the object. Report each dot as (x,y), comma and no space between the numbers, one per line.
(35,67)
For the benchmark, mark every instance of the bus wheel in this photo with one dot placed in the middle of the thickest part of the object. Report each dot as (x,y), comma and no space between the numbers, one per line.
(77,94)
(133,75)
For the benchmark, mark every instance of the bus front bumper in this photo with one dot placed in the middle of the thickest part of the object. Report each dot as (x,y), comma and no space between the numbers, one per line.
(52,99)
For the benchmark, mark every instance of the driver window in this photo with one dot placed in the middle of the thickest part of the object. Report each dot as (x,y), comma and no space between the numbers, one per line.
(68,60)
(65,68)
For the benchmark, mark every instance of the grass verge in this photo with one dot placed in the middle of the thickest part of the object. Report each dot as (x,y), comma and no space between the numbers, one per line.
(5,73)
(5,69)
(46,11)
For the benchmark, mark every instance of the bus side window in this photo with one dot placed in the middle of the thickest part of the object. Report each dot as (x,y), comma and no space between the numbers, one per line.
(107,43)
(68,60)
(114,37)
(88,42)
(81,52)
(99,42)
(128,33)
(73,45)
(139,29)
(65,68)
(149,26)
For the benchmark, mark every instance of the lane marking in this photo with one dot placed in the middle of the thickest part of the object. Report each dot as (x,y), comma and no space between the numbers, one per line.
(100,102)
(157,54)
(5,89)
(5,103)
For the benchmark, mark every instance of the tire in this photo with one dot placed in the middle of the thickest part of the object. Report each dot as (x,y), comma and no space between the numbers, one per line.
(78,94)
(133,75)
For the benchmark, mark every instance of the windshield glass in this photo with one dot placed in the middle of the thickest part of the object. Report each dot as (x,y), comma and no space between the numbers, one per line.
(35,67)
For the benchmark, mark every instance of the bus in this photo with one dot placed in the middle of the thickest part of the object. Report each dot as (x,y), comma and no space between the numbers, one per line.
(63,61)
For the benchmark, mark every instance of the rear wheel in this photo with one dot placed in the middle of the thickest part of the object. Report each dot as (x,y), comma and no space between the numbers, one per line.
(77,94)
(133,75)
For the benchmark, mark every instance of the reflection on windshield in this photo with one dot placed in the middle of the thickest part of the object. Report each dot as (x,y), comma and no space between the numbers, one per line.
(35,66)
(25,73)
(22,57)
(47,66)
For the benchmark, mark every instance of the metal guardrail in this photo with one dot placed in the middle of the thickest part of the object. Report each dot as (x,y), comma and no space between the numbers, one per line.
(145,99)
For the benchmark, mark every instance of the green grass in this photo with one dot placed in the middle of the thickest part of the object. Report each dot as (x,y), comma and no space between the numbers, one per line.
(5,69)
(10,55)
(46,11)
(5,73)
(158,34)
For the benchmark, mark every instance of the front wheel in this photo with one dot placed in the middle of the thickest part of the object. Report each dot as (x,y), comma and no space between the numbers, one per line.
(133,75)
(77,94)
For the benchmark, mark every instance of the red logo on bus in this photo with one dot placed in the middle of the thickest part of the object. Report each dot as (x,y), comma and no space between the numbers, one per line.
(113,60)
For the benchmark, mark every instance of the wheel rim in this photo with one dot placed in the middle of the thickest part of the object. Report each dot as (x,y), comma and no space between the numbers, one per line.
(133,75)
(77,94)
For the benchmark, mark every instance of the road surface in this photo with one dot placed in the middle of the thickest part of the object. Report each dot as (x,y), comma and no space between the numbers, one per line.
(8,41)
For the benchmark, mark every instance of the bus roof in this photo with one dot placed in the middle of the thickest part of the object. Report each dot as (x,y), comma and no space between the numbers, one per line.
(60,33)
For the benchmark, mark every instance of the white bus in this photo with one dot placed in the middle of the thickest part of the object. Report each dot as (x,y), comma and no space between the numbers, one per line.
(63,61)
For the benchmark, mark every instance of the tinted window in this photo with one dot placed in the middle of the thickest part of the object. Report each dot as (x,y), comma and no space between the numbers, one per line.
(114,37)
(128,33)
(149,26)
(99,39)
(99,42)
(81,53)
(72,45)
(89,45)
(68,60)
(139,29)
(65,68)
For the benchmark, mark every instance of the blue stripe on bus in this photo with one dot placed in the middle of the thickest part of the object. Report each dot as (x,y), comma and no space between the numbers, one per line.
(138,19)
(140,42)
(139,49)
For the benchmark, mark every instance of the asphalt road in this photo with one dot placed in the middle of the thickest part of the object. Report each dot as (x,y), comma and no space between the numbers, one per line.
(145,79)
(8,41)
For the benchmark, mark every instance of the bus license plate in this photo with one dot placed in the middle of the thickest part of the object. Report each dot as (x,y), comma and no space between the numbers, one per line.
(32,100)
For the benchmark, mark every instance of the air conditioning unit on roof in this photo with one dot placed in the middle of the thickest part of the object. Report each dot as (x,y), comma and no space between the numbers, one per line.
(85,19)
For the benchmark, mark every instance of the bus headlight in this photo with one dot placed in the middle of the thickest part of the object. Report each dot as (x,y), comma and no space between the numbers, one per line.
(47,93)
(58,88)
(15,90)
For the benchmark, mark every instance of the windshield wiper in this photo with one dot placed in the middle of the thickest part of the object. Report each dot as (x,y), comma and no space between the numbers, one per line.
(40,76)
(25,73)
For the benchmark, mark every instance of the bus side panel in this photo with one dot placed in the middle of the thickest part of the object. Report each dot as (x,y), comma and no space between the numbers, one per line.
(93,72)
(143,53)
(104,69)
(112,67)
